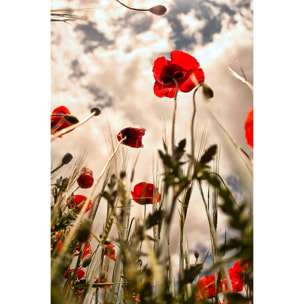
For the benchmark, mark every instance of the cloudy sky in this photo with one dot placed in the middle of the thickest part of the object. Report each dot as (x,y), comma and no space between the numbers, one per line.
(227,41)
(107,61)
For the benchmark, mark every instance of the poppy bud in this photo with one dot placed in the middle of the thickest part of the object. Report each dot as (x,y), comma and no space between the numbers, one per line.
(66,158)
(207,91)
(158,10)
(87,260)
(85,179)
(84,230)
(96,111)
(196,254)
(71,119)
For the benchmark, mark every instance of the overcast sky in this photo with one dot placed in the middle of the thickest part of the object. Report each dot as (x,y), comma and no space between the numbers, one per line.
(107,61)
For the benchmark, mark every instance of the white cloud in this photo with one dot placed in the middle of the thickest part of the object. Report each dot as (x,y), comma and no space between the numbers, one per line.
(192,25)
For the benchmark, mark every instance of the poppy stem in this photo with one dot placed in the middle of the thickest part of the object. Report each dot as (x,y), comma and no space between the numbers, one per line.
(132,8)
(70,128)
(192,120)
(173,117)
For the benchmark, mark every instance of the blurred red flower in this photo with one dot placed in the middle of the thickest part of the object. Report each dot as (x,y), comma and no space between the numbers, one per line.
(86,249)
(85,178)
(110,251)
(103,281)
(206,285)
(59,122)
(133,137)
(76,201)
(80,273)
(249,128)
(143,193)
(184,68)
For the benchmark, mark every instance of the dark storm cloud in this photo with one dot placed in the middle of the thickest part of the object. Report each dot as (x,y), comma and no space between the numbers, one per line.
(92,38)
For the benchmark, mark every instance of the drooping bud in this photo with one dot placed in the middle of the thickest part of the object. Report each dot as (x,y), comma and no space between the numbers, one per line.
(207,91)
(87,260)
(84,230)
(66,158)
(158,10)
(71,119)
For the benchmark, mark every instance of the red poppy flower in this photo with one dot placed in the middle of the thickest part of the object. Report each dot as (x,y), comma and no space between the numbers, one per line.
(249,128)
(184,68)
(133,137)
(59,122)
(110,251)
(85,179)
(206,285)
(78,200)
(143,193)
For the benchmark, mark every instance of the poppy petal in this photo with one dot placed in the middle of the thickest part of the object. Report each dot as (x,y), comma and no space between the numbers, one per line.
(192,80)
(133,137)
(164,90)
(143,193)
(249,128)
(158,68)
(184,60)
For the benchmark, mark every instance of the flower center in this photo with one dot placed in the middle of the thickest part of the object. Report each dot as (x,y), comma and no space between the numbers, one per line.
(171,72)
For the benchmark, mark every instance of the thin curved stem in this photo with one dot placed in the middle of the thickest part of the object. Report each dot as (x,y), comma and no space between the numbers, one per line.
(174,117)
(70,128)
(132,8)
(192,121)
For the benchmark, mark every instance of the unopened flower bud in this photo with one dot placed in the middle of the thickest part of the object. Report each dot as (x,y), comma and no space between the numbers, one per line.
(71,119)
(87,260)
(207,91)
(84,230)
(66,158)
(196,254)
(96,111)
(158,10)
